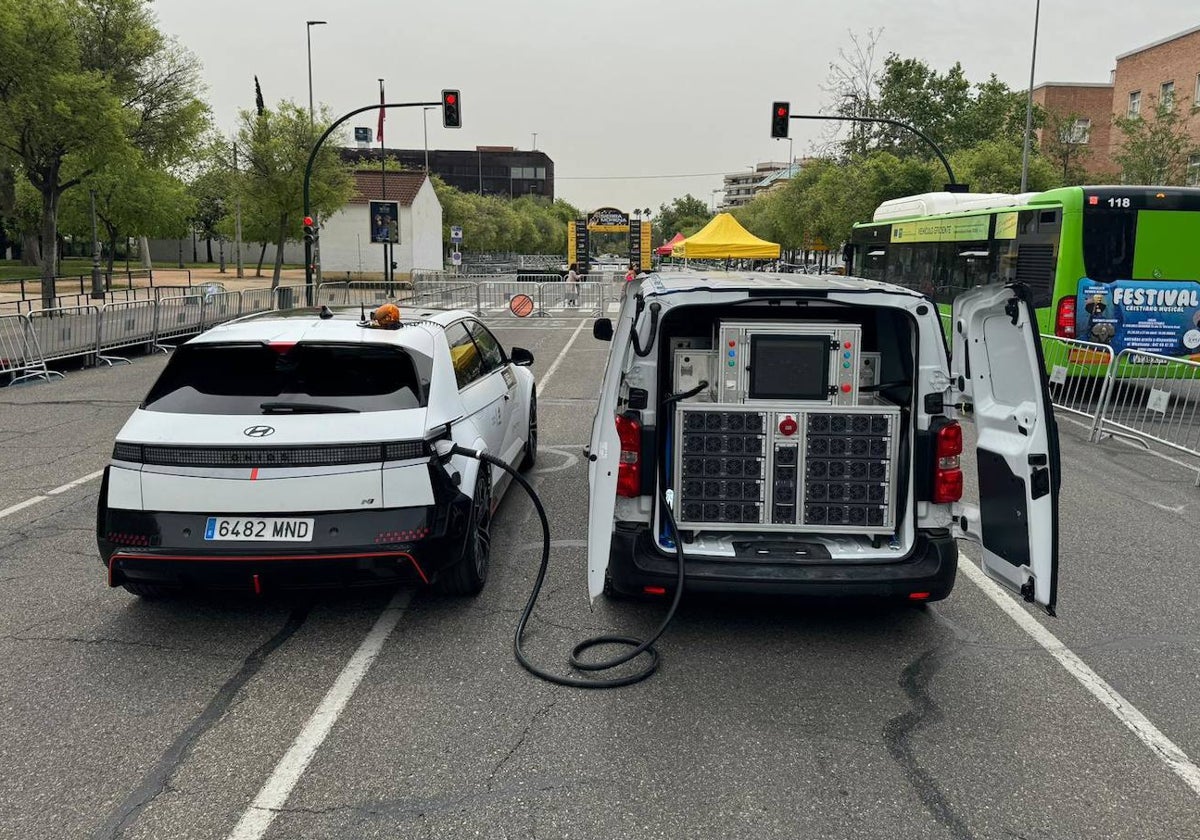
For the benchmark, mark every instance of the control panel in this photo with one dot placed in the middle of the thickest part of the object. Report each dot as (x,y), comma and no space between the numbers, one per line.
(766,362)
(794,469)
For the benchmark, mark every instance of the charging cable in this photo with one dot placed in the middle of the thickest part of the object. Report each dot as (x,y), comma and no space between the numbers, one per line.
(444,449)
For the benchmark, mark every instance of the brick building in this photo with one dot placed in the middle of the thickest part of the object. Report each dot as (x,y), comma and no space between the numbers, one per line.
(1166,70)
(1090,105)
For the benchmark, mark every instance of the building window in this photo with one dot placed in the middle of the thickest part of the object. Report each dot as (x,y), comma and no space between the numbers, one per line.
(1193,171)
(1196,97)
(1166,95)
(1079,132)
(1135,104)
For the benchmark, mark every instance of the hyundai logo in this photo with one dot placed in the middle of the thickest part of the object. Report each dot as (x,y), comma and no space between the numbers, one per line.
(259,431)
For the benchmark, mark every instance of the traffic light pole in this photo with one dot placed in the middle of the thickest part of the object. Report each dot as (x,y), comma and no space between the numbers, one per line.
(887,121)
(312,157)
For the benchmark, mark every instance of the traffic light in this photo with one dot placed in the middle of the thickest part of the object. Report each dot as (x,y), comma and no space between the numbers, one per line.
(451,116)
(310,230)
(780,111)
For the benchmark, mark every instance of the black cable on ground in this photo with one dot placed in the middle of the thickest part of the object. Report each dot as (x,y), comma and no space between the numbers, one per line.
(638,647)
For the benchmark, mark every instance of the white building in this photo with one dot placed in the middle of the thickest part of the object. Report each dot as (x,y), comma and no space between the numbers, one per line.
(740,186)
(345,241)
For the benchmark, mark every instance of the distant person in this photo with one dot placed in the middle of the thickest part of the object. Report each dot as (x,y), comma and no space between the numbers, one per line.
(572,288)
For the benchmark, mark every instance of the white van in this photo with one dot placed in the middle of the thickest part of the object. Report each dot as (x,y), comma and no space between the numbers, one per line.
(804,432)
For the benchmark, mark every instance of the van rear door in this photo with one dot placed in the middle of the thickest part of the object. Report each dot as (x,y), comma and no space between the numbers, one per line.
(998,371)
(604,452)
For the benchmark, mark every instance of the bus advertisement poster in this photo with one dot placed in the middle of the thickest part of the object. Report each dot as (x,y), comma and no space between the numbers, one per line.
(1155,316)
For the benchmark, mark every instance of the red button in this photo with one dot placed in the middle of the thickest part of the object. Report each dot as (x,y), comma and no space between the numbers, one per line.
(788,426)
(846,388)
(733,344)
(848,345)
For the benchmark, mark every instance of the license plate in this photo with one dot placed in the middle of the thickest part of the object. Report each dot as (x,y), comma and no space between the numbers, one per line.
(258,529)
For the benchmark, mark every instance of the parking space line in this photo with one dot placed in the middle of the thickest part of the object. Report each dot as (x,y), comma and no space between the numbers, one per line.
(70,485)
(543,382)
(1137,723)
(278,787)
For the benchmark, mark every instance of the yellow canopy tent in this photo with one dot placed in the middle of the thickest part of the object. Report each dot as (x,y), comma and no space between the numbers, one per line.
(725,238)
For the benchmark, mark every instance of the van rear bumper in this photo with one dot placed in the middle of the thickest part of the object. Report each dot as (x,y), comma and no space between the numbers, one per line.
(636,563)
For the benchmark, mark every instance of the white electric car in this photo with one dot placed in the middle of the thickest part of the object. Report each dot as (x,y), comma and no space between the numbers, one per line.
(294,449)
(804,433)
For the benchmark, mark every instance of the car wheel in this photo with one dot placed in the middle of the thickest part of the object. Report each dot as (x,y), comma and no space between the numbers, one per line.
(469,574)
(150,591)
(531,443)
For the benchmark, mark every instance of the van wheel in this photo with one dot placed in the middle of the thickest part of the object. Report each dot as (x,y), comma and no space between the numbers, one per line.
(531,443)
(469,574)
(150,591)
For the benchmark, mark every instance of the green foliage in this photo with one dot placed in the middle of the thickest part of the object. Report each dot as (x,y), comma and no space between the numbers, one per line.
(1156,150)
(686,215)
(81,83)
(995,166)
(528,225)
(1066,148)
(274,148)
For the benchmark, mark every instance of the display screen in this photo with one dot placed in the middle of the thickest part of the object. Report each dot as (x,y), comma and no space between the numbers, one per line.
(786,367)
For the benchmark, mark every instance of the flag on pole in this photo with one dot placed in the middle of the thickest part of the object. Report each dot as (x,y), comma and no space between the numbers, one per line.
(379,131)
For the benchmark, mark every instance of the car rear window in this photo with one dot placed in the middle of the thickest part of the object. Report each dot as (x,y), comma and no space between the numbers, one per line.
(238,379)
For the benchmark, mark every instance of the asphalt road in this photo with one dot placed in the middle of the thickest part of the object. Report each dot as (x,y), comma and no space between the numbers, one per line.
(769,718)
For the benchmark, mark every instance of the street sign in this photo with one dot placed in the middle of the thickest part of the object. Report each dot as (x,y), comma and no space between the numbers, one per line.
(455,233)
(456,257)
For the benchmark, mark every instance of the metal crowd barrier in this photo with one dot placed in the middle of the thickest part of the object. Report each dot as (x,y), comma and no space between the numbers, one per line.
(67,332)
(178,317)
(1158,400)
(257,300)
(127,324)
(219,307)
(1077,371)
(20,356)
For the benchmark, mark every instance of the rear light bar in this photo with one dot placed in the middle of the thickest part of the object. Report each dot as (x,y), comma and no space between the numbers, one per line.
(947,471)
(322,455)
(629,473)
(1064,318)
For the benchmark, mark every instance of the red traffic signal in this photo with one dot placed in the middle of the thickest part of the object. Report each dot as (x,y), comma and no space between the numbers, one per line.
(780,113)
(451,115)
(308,221)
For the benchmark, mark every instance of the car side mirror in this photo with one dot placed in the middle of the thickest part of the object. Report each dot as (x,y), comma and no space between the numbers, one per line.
(521,356)
(602,329)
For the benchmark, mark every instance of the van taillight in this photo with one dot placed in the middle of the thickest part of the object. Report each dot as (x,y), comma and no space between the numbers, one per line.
(947,474)
(629,474)
(1064,318)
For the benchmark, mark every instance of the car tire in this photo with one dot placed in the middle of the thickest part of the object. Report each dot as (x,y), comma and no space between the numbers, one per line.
(469,574)
(531,442)
(150,591)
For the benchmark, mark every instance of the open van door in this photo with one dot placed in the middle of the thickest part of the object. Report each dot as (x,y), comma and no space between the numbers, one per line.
(998,371)
(604,451)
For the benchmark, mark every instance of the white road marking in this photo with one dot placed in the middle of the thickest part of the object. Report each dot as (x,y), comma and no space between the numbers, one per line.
(70,485)
(544,381)
(1137,723)
(274,794)
(1168,508)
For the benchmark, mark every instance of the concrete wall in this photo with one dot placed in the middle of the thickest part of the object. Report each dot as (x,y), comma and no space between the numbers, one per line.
(426,236)
(165,252)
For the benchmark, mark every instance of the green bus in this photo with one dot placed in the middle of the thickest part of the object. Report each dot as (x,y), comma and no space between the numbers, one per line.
(1112,265)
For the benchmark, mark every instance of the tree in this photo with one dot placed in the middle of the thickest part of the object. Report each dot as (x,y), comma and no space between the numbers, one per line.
(853,85)
(685,215)
(1066,146)
(81,81)
(276,146)
(1156,150)
(995,166)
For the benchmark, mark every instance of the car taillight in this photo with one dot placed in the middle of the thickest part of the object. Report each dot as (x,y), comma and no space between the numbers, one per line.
(1064,318)
(947,474)
(629,474)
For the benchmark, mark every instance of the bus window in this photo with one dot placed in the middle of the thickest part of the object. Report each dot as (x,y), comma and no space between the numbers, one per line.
(1108,240)
(875,263)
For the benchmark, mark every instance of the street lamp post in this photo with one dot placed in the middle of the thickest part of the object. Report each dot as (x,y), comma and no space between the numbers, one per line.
(425,130)
(312,122)
(1037,11)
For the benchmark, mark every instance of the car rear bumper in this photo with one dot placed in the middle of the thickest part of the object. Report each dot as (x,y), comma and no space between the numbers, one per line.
(348,548)
(636,563)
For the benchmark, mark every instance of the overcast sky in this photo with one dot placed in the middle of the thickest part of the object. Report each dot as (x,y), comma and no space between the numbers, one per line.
(630,87)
